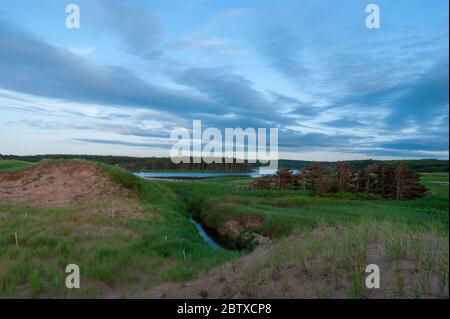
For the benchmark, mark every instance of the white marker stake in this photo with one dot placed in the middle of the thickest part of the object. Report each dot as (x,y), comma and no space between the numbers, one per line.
(17,242)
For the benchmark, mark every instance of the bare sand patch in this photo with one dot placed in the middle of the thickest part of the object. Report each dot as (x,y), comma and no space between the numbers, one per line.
(59,184)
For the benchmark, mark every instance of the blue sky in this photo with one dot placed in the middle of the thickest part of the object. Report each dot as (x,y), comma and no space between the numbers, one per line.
(137,69)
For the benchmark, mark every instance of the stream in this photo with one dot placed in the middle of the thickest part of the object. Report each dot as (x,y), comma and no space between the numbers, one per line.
(203,234)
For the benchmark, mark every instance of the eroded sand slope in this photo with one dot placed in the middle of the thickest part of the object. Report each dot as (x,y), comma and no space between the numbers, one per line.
(58,185)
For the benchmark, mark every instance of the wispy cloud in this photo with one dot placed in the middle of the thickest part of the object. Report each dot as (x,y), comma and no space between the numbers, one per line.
(85,50)
(329,85)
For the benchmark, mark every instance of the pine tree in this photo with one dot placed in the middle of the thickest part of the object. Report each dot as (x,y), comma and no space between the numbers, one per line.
(355,178)
(386,181)
(283,177)
(343,177)
(321,179)
(370,178)
(407,184)
(263,182)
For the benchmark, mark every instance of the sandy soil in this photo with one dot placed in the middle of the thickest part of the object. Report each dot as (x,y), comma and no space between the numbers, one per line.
(58,185)
(256,276)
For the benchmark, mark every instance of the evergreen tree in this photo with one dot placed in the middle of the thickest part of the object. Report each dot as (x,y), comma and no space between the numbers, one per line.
(343,177)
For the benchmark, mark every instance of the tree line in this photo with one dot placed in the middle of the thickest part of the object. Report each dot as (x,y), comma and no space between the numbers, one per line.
(140,163)
(164,163)
(386,180)
(416,165)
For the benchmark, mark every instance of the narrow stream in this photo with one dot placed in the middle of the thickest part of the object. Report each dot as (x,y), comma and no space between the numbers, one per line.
(203,234)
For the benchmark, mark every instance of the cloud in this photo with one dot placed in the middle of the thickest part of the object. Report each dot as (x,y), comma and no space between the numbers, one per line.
(424,99)
(122,143)
(383,94)
(282,48)
(421,102)
(195,39)
(85,50)
(32,66)
(191,4)
(234,94)
(345,123)
(56,73)
(140,31)
(294,105)
(59,74)
(435,143)
(224,99)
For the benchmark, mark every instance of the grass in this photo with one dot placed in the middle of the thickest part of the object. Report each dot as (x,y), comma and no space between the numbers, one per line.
(283,212)
(150,240)
(409,239)
(159,244)
(332,264)
(7,166)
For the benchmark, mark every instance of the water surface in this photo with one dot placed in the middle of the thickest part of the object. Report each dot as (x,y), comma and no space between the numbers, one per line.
(200,174)
(203,234)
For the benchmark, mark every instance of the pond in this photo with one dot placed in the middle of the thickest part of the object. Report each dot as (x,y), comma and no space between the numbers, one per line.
(199,174)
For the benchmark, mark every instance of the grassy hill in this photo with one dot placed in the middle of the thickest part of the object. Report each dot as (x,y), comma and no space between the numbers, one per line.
(144,245)
(137,243)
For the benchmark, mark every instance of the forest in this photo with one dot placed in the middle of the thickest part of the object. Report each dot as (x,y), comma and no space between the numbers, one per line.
(416,165)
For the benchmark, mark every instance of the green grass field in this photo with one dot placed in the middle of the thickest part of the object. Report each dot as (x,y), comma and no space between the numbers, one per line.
(152,241)
(283,212)
(13,165)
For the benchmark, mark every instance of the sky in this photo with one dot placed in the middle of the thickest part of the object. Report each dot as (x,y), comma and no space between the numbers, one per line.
(136,70)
